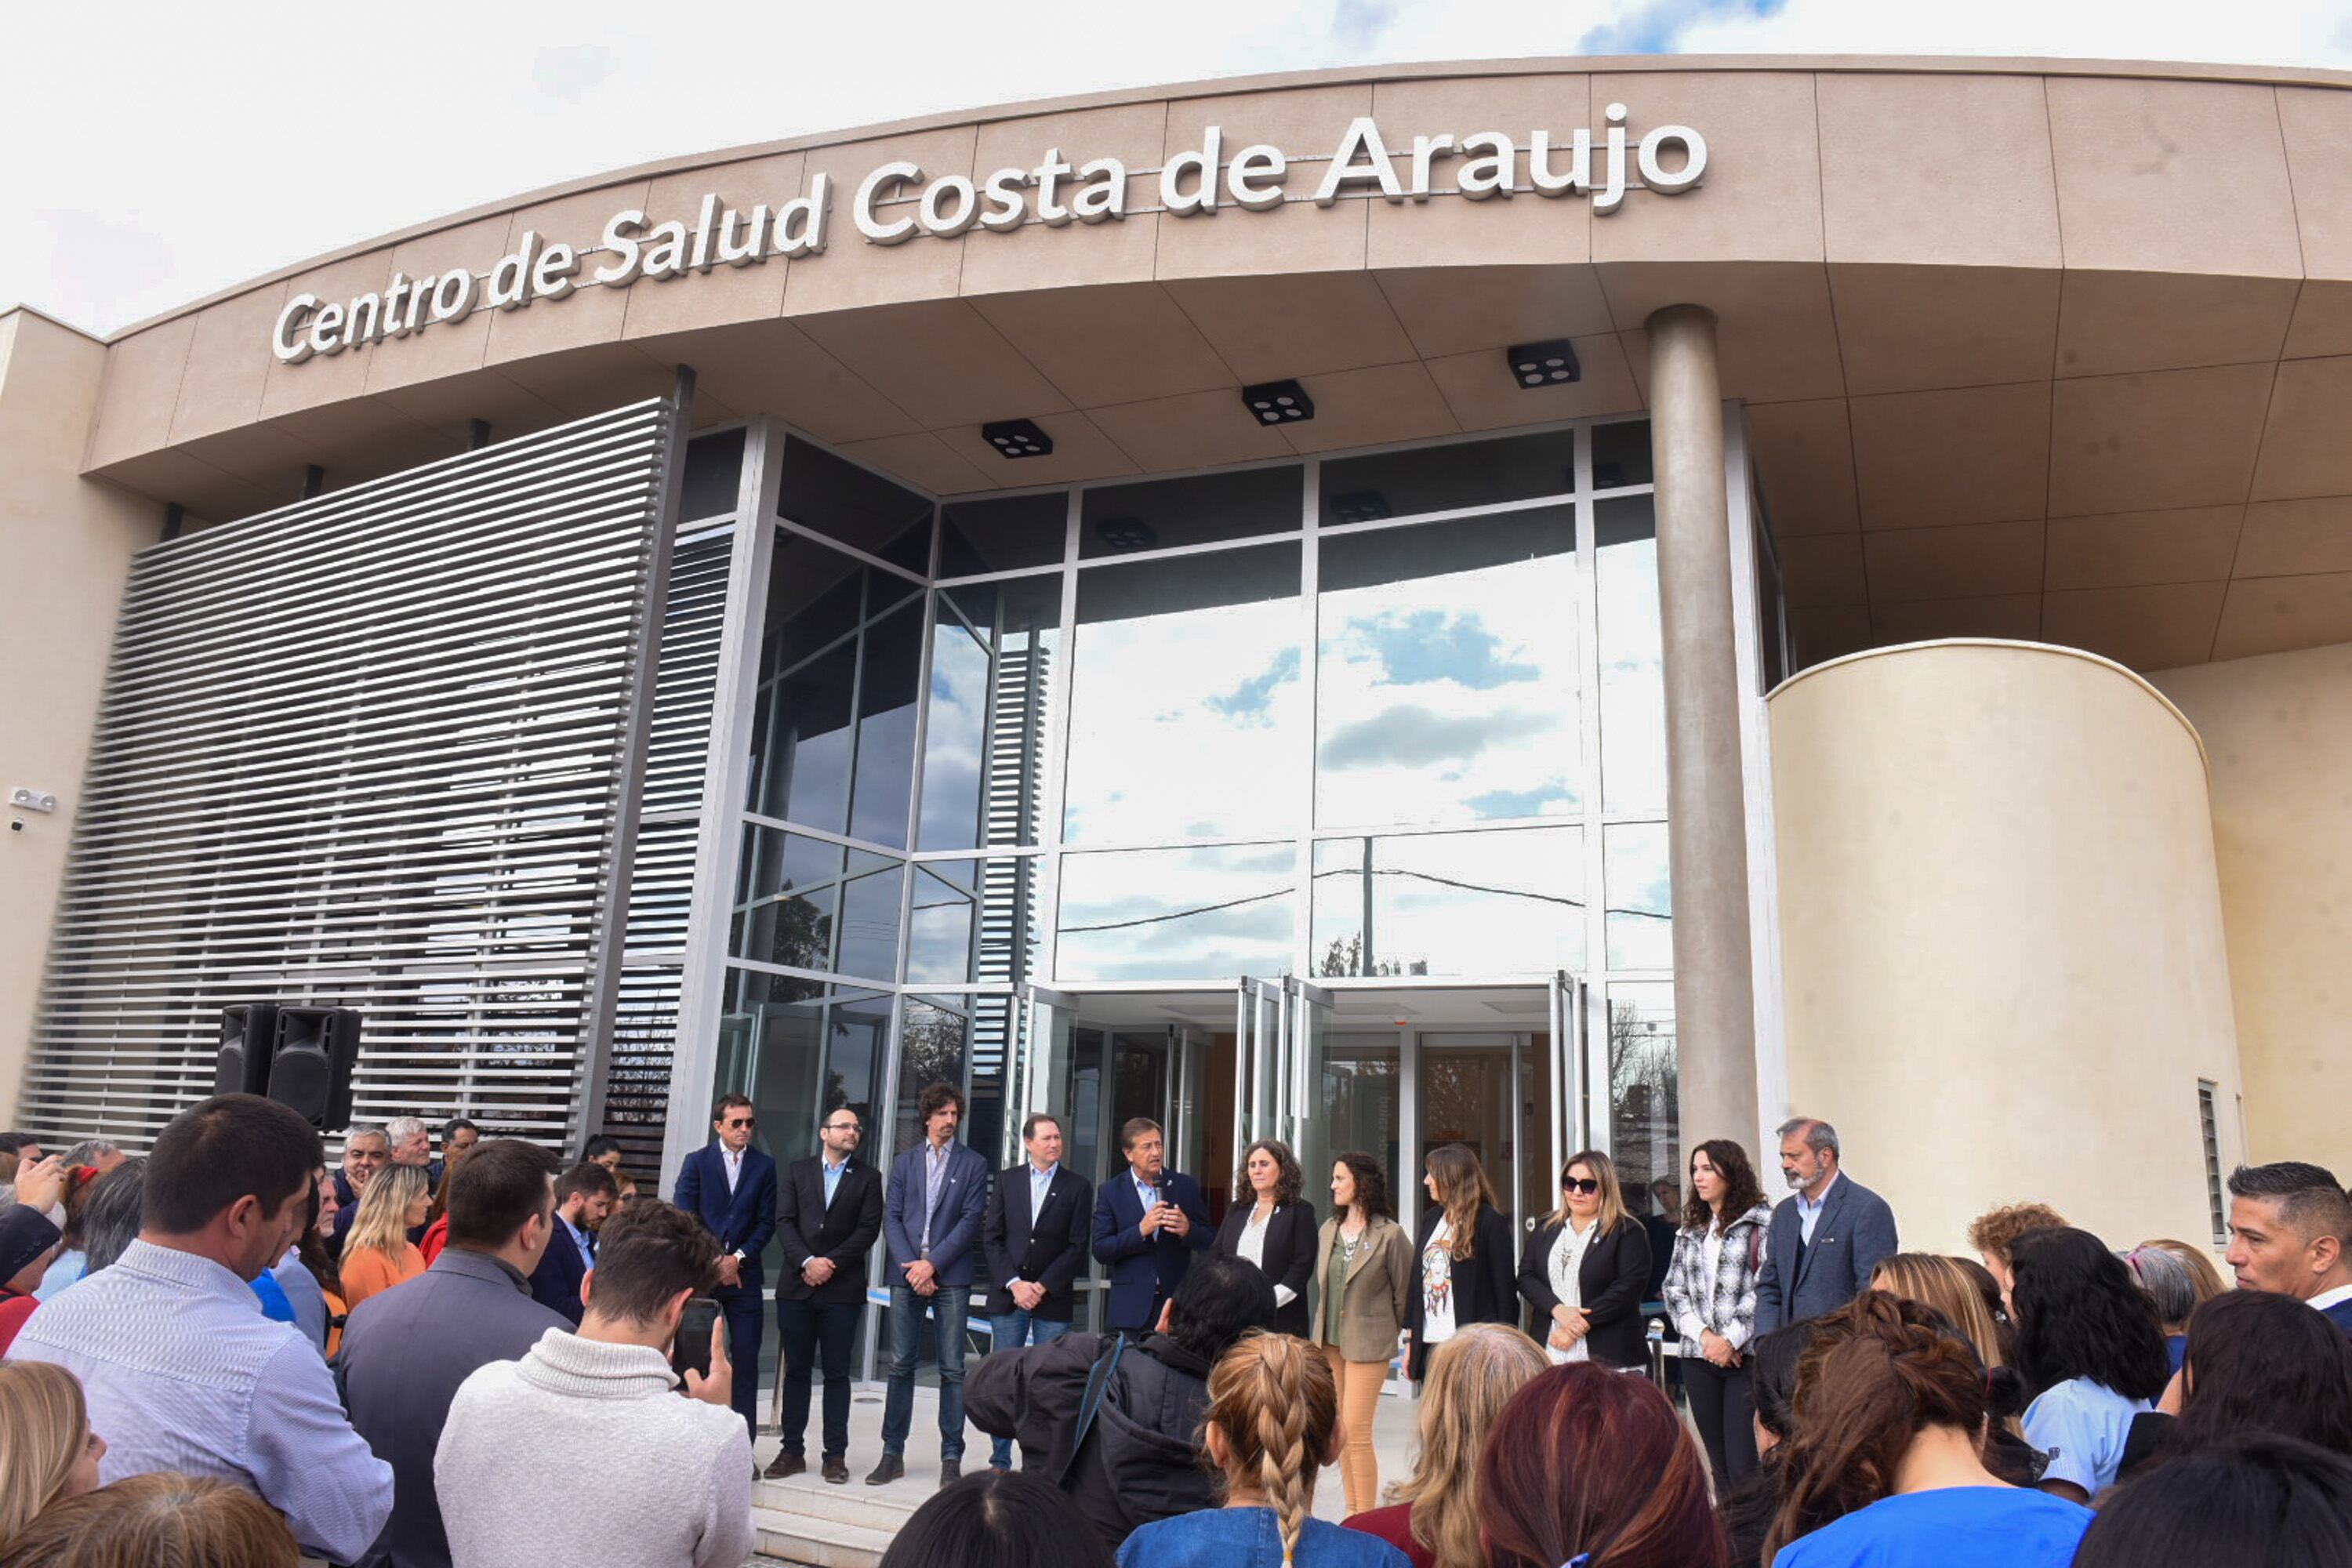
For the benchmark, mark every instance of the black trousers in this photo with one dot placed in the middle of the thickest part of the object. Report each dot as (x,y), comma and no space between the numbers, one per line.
(744,1309)
(810,1332)
(1723,1408)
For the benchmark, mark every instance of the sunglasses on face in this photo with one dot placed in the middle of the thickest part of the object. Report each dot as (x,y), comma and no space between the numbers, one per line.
(738,1121)
(1579,1185)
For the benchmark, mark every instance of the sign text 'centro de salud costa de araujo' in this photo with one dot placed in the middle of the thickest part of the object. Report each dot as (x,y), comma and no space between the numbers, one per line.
(1669,161)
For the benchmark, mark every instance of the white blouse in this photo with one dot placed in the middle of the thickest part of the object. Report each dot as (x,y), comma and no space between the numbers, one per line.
(1252,1250)
(1567,1262)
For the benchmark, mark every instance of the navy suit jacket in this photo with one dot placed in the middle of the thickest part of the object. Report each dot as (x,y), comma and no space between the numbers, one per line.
(743,1220)
(2339,1314)
(1854,1231)
(955,1224)
(555,1283)
(1145,1267)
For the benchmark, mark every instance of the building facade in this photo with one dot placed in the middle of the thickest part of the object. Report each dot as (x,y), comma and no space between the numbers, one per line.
(1553,604)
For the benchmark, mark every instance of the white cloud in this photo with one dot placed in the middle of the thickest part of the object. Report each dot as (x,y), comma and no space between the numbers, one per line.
(154,153)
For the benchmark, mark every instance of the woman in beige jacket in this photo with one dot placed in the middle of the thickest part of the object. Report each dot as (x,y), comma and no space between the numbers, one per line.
(1363,1269)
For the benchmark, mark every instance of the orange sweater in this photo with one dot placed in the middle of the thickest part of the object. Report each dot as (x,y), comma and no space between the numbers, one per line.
(364,1273)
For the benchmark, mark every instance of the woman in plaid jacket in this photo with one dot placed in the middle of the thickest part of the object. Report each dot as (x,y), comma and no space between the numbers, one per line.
(1711,1297)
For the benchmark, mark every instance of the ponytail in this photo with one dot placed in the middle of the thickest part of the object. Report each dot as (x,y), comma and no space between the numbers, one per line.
(1875,1375)
(1275,1401)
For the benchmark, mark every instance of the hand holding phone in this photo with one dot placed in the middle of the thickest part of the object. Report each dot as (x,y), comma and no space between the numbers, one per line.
(699,1353)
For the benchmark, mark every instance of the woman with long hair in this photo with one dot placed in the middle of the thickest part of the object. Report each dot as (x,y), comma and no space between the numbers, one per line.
(1886,1463)
(48,1451)
(1463,1269)
(1272,1423)
(2257,1364)
(307,1274)
(1956,1289)
(1363,1277)
(1275,1230)
(1710,1292)
(1586,1266)
(2091,1351)
(377,1253)
(2252,1501)
(1749,1508)
(158,1520)
(1433,1516)
(1585,1465)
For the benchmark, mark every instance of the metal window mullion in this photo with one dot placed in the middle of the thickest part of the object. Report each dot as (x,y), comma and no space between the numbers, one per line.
(1310,567)
(1596,1115)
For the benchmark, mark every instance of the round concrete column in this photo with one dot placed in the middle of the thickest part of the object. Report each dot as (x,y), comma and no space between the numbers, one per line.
(1714,994)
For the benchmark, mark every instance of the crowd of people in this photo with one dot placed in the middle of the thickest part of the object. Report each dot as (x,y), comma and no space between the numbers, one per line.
(230,1353)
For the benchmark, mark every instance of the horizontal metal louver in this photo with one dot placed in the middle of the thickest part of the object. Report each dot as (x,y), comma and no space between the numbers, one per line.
(368,750)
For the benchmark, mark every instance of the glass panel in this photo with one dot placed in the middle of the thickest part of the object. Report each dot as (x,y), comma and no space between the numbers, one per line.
(1083,1138)
(1362,1108)
(1184,698)
(1003,534)
(931,1050)
(1115,519)
(973,921)
(993,647)
(1641,915)
(1195,913)
(1633,681)
(1501,902)
(800,1050)
(1620,454)
(714,471)
(1442,478)
(854,505)
(886,725)
(869,923)
(791,902)
(1446,672)
(1642,1087)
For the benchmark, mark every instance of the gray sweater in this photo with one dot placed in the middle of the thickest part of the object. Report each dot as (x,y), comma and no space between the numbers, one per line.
(526,1466)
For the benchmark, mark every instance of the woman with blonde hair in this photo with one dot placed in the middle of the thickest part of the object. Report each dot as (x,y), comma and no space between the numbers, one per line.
(47,1452)
(1586,1266)
(1432,1518)
(1463,1270)
(1940,1283)
(1272,1422)
(158,1520)
(377,1253)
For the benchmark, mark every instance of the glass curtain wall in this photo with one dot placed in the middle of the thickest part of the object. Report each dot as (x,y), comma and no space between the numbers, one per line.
(1391,714)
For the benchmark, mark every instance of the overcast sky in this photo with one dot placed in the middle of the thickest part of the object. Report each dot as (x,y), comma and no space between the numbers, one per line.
(152,154)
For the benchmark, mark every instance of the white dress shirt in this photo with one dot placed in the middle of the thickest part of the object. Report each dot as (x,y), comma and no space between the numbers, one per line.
(734,1159)
(1252,1248)
(1567,1263)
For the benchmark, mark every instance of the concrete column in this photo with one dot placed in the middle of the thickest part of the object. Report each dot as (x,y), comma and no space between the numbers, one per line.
(1715,994)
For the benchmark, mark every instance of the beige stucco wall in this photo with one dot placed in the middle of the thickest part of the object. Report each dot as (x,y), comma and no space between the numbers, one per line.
(2279,730)
(68,544)
(2001,935)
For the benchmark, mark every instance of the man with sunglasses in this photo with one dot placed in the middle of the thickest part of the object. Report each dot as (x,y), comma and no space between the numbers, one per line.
(731,1188)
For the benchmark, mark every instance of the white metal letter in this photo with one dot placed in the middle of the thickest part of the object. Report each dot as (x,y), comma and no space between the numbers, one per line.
(1362,156)
(293,319)
(1006,209)
(1489,174)
(801,222)
(621,238)
(1675,182)
(1203,163)
(1252,164)
(870,195)
(938,221)
(1612,189)
(1104,195)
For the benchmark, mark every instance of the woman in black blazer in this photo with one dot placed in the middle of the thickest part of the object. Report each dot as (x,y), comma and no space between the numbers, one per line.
(1457,1278)
(1274,1229)
(1586,1266)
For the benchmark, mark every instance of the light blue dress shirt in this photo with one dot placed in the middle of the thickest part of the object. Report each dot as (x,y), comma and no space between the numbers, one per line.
(1040,1184)
(833,1181)
(182,1373)
(1809,1210)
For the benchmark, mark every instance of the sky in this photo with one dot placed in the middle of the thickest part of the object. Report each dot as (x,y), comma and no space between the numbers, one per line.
(151,154)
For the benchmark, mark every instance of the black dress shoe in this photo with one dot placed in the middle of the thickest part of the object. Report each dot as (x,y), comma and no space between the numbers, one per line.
(891,1468)
(784,1465)
(950,1470)
(837,1470)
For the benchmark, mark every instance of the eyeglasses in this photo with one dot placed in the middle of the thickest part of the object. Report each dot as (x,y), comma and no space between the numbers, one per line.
(842,1127)
(1578,1184)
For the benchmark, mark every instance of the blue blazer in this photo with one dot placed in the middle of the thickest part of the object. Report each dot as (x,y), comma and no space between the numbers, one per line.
(1144,1268)
(743,1220)
(1854,1231)
(555,1283)
(955,1224)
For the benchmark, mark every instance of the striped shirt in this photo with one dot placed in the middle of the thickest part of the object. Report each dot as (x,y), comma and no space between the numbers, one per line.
(182,1373)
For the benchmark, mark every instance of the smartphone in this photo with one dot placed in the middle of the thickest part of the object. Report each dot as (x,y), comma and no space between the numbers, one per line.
(690,1351)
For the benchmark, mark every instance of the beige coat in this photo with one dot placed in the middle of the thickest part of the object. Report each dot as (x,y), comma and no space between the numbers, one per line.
(1371,1313)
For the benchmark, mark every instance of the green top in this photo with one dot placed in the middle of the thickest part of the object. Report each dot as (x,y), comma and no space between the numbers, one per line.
(1335,1287)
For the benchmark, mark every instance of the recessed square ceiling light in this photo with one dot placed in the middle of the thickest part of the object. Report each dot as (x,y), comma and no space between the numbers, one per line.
(1549,364)
(1017,439)
(1278,403)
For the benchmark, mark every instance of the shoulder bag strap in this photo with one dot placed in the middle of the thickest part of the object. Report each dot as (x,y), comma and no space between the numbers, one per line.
(1098,1382)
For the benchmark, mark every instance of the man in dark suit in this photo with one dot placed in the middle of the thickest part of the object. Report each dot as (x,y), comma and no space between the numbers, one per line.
(731,1188)
(931,1216)
(830,1214)
(1034,1239)
(582,1200)
(405,1352)
(1824,1241)
(1149,1222)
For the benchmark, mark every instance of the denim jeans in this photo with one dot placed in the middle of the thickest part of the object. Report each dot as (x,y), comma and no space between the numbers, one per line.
(947,1306)
(1010,1332)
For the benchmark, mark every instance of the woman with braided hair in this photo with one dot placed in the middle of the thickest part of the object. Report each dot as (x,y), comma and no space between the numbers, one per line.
(1887,1466)
(1273,1421)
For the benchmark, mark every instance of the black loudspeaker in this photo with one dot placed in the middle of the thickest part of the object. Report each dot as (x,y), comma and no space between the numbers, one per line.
(310,1067)
(248,1035)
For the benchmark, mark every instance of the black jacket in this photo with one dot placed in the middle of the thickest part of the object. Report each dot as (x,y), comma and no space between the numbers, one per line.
(1140,1462)
(1049,1252)
(1610,1280)
(845,1232)
(1290,1234)
(1484,1283)
(25,1235)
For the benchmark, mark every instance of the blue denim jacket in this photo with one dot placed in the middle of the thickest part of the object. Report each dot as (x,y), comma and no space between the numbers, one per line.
(1248,1538)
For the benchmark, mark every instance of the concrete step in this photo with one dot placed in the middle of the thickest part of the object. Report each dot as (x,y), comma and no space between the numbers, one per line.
(885,1509)
(806,1539)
